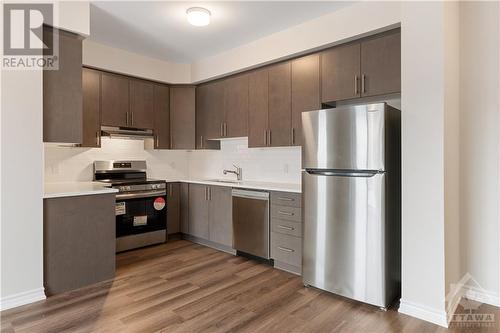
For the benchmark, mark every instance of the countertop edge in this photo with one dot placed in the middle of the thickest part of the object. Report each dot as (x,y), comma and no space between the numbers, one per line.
(262,187)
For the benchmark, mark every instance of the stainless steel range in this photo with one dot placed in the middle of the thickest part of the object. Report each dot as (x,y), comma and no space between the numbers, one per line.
(141,213)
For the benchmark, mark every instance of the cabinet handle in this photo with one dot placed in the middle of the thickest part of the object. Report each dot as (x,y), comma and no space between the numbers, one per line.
(285,249)
(363,85)
(206,193)
(201,141)
(157,141)
(265,138)
(225,129)
(171,189)
(98,138)
(285,227)
(126,117)
(131,118)
(355,84)
(285,213)
(285,199)
(293,136)
(171,143)
(221,129)
(269,140)
(209,193)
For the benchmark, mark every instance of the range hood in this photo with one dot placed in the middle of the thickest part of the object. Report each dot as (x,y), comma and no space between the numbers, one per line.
(126,132)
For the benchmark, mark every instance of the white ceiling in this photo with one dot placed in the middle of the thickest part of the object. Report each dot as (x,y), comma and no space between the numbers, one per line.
(160,29)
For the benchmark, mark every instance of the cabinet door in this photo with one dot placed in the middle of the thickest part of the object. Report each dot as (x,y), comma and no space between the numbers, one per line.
(161,109)
(62,92)
(305,92)
(141,104)
(257,108)
(173,208)
(184,204)
(220,215)
(91,85)
(340,73)
(280,108)
(209,114)
(198,211)
(381,65)
(182,117)
(114,100)
(236,106)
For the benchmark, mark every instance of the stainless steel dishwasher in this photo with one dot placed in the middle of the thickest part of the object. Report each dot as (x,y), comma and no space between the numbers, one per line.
(251,222)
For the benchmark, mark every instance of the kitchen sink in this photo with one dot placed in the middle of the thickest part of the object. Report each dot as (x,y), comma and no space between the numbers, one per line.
(224,181)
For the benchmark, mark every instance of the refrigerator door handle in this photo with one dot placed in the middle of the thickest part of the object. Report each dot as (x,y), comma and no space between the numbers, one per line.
(344,173)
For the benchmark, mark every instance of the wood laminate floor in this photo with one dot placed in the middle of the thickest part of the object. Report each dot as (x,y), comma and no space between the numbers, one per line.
(185,287)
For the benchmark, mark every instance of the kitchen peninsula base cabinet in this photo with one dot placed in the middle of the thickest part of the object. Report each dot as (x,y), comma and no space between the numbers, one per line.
(78,240)
(210,216)
(173,210)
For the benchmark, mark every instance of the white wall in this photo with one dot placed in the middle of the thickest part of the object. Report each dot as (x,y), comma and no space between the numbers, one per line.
(480,144)
(330,29)
(63,164)
(280,164)
(117,60)
(451,148)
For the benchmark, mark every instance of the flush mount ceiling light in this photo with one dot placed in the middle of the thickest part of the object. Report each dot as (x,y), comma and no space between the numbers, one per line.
(198,16)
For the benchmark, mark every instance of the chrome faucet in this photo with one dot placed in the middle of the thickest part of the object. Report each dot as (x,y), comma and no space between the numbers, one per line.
(237,172)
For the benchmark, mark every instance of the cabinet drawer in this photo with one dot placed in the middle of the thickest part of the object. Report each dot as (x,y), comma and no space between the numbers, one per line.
(286,199)
(286,213)
(286,227)
(287,249)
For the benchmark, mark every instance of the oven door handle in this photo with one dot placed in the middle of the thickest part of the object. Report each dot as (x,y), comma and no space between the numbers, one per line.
(141,194)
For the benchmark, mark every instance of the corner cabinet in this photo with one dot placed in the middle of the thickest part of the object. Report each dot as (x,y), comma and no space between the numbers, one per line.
(182,117)
(62,91)
(161,111)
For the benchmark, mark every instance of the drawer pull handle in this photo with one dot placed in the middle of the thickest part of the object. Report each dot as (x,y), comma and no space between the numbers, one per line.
(285,249)
(285,213)
(285,227)
(285,199)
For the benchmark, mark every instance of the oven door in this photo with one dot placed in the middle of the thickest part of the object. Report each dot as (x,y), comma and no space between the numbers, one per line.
(140,215)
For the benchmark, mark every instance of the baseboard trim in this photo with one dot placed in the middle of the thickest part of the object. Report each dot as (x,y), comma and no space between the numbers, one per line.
(423,312)
(208,243)
(23,298)
(481,295)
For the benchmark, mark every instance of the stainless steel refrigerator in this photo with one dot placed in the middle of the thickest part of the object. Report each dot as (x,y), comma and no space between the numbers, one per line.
(351,185)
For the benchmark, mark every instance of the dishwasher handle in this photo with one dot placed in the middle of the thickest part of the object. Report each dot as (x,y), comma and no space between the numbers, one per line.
(259,195)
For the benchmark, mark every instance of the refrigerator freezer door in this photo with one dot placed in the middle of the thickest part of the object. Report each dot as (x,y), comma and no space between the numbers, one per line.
(344,249)
(347,138)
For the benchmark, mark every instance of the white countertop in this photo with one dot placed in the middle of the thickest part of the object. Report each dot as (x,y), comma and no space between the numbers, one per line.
(71,189)
(255,185)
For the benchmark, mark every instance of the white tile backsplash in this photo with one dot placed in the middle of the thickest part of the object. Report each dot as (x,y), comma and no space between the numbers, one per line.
(280,165)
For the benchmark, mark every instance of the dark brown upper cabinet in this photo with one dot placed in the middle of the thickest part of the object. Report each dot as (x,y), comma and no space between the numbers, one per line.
(209,114)
(62,91)
(161,110)
(381,65)
(235,107)
(91,85)
(141,104)
(366,68)
(182,117)
(115,100)
(340,73)
(280,107)
(258,98)
(305,92)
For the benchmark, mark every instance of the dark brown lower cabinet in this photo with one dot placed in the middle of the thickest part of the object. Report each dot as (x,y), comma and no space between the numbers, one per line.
(220,216)
(78,241)
(173,208)
(184,208)
(210,213)
(91,85)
